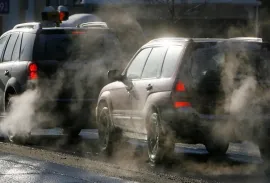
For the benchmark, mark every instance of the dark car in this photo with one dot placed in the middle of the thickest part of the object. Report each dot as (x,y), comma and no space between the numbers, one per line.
(209,91)
(66,64)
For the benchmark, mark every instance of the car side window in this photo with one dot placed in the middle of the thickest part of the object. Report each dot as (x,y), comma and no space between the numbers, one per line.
(16,51)
(3,41)
(170,61)
(10,47)
(134,70)
(154,62)
(28,40)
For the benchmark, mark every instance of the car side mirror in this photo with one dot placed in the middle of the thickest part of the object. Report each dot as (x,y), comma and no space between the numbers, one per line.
(114,75)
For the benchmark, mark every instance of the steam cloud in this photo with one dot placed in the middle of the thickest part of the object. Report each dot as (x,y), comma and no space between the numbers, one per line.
(30,110)
(83,76)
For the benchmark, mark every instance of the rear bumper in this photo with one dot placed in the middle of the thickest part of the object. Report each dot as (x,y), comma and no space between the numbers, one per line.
(189,121)
(61,112)
(64,112)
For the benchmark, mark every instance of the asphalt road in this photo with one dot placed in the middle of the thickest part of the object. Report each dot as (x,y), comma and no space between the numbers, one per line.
(192,163)
(22,169)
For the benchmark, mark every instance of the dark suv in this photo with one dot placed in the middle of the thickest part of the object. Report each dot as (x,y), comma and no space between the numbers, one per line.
(209,91)
(66,65)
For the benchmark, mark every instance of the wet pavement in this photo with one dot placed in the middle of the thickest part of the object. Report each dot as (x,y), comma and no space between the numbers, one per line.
(21,169)
(192,163)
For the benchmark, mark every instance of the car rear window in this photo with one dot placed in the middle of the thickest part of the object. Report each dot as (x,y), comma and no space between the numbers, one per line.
(247,58)
(75,45)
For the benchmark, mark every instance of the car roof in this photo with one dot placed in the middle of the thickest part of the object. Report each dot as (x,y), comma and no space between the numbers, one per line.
(181,40)
(35,30)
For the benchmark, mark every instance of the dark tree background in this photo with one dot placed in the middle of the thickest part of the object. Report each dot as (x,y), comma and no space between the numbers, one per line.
(266,4)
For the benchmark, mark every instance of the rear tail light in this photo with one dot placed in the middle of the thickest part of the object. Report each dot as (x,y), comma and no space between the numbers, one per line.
(32,69)
(181,104)
(78,32)
(180,87)
(179,91)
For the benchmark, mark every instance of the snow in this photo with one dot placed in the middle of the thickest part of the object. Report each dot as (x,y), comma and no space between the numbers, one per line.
(77,19)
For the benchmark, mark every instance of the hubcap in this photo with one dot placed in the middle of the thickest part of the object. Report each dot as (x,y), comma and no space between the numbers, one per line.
(153,135)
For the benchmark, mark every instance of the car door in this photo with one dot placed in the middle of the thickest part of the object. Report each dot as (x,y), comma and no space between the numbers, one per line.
(146,85)
(120,95)
(7,62)
(157,77)
(3,42)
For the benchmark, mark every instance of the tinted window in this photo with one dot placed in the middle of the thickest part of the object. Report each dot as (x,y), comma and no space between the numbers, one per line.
(234,60)
(27,46)
(205,57)
(153,65)
(135,69)
(3,41)
(170,61)
(16,51)
(10,47)
(67,46)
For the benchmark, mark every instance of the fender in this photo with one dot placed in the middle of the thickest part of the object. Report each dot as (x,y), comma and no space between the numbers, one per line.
(158,101)
(12,82)
(105,96)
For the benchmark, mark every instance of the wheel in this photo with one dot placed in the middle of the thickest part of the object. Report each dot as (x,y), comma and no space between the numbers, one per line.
(265,155)
(105,130)
(160,145)
(21,139)
(216,147)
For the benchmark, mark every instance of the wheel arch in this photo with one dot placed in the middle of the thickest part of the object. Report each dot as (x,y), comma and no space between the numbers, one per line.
(156,101)
(12,87)
(104,99)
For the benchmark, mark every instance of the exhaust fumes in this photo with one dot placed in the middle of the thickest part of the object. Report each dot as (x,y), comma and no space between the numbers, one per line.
(19,121)
(68,94)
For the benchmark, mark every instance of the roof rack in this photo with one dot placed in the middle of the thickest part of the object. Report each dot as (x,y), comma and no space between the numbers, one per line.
(93,25)
(256,39)
(32,25)
(168,39)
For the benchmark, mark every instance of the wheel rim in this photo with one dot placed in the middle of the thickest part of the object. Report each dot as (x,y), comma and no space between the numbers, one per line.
(153,136)
(104,129)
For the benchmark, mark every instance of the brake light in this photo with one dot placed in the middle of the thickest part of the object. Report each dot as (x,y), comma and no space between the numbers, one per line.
(180,93)
(180,87)
(78,32)
(181,104)
(33,68)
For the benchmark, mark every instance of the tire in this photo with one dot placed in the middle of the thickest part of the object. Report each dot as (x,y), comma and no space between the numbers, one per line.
(160,145)
(216,147)
(106,130)
(19,139)
(265,155)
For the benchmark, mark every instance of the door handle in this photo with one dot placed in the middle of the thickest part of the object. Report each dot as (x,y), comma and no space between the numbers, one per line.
(6,72)
(149,87)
